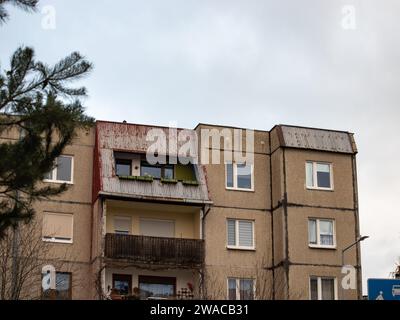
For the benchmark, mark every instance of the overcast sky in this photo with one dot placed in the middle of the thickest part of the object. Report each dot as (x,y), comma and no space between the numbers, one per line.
(249,64)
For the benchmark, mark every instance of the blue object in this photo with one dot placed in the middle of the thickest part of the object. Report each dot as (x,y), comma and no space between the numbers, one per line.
(383,289)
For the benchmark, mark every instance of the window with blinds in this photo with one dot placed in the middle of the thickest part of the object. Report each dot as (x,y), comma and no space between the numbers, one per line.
(240,234)
(122,225)
(57,227)
(157,228)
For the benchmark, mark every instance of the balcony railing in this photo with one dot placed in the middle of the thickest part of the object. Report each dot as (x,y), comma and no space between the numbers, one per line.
(155,250)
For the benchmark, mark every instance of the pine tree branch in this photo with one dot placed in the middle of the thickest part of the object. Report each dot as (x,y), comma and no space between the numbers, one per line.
(29,96)
(73,67)
(26,5)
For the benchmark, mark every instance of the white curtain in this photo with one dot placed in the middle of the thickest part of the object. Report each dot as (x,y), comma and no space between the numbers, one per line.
(312,231)
(309,174)
(328,289)
(326,232)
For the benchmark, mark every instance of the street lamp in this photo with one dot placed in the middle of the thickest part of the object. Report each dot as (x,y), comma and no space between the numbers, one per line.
(361,238)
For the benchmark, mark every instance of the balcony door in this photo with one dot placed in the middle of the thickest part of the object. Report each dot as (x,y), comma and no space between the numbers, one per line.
(157,228)
(152,287)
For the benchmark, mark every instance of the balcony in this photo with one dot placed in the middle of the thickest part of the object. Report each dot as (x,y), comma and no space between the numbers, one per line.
(155,250)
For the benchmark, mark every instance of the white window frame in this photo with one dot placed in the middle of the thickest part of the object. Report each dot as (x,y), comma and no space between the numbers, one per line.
(237,246)
(319,286)
(315,178)
(318,244)
(54,172)
(238,287)
(234,176)
(58,240)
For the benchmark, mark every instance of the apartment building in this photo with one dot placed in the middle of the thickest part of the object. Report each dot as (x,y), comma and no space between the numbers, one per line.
(287,217)
(273,228)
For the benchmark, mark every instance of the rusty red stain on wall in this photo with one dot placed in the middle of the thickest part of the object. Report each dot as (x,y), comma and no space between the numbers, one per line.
(112,137)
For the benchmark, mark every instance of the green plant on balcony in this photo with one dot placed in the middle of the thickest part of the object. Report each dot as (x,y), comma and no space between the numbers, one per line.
(169,180)
(137,178)
(190,182)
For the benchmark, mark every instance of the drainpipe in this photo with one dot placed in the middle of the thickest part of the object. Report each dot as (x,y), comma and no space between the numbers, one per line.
(203,215)
(357,226)
(103,247)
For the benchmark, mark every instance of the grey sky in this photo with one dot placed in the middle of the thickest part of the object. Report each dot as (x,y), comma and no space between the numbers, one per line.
(245,63)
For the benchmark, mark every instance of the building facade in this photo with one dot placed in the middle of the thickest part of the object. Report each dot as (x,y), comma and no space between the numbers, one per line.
(272,228)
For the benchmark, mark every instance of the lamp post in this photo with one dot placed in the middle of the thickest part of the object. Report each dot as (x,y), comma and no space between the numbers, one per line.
(352,245)
(361,238)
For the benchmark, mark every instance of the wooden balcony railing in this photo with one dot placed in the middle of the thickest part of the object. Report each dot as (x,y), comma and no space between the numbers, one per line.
(156,250)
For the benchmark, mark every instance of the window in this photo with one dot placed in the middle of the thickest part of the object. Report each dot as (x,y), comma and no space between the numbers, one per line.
(185,172)
(323,288)
(122,283)
(240,234)
(122,225)
(63,171)
(157,287)
(63,286)
(240,289)
(239,176)
(321,233)
(123,167)
(319,175)
(157,171)
(57,227)
(157,228)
